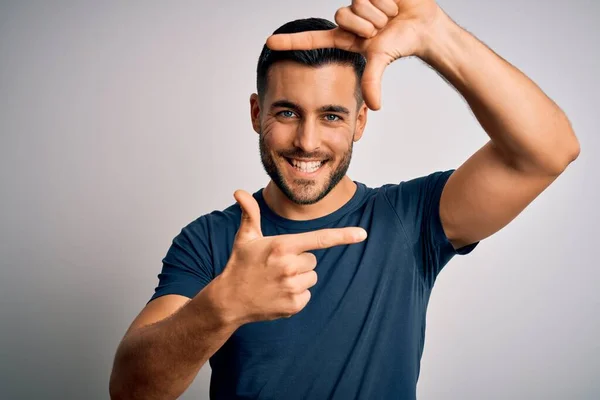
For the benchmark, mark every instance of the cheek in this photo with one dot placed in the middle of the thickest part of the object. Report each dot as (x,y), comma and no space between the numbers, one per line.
(267,125)
(340,141)
(336,141)
(276,135)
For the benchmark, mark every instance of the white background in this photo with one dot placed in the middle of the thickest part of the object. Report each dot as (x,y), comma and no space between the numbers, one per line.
(121,122)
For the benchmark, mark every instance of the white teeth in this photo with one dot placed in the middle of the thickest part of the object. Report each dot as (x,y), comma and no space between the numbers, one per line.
(307,166)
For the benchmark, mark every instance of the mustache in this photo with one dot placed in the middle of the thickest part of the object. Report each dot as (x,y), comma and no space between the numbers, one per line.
(295,152)
(298,153)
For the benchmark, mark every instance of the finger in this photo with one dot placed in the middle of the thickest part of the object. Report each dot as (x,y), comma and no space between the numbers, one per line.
(302,300)
(388,7)
(366,10)
(309,40)
(291,264)
(250,220)
(301,282)
(351,22)
(324,238)
(371,80)
(306,262)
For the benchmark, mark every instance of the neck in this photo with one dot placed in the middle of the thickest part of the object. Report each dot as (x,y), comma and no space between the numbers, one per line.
(335,199)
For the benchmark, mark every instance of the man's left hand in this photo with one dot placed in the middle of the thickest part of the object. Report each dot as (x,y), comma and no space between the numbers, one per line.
(381,30)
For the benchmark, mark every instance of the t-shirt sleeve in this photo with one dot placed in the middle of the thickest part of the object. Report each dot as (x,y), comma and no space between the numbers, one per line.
(417,205)
(186,268)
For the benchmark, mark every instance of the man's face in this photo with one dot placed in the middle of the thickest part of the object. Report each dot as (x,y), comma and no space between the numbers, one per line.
(307,123)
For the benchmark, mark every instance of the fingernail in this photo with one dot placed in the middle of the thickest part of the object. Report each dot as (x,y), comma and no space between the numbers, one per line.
(361,235)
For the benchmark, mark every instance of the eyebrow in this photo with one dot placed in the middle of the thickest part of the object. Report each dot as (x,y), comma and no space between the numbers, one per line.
(326,108)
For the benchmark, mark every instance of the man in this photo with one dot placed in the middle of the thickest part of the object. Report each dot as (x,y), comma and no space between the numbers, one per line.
(283,291)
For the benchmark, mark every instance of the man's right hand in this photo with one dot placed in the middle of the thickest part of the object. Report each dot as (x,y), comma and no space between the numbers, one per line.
(268,277)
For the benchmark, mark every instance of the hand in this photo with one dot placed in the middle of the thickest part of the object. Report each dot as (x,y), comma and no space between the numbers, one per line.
(269,277)
(381,30)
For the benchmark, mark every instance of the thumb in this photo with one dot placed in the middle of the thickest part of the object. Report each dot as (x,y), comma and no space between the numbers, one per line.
(250,224)
(371,80)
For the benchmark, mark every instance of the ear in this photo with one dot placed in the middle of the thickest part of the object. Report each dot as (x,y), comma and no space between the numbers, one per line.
(255,112)
(361,122)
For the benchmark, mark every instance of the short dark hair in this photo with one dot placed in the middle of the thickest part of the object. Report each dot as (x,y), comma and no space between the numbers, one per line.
(312,58)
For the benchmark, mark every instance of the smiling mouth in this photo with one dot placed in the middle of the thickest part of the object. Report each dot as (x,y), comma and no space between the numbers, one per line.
(306,166)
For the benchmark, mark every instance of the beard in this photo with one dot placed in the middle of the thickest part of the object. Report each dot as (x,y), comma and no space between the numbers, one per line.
(308,191)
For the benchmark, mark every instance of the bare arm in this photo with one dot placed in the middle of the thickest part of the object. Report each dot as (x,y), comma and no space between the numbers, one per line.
(532,141)
(265,278)
(168,343)
(531,138)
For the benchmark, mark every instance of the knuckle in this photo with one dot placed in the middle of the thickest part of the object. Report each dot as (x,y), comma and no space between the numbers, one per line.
(362,8)
(322,240)
(287,286)
(380,21)
(390,8)
(271,259)
(277,249)
(358,7)
(370,31)
(275,260)
(341,15)
(288,270)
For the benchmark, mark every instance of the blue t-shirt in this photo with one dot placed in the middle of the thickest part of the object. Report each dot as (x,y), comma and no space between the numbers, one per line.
(361,335)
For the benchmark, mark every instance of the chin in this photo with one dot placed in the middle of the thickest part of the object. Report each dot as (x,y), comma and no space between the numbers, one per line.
(305,195)
(304,184)
(302,190)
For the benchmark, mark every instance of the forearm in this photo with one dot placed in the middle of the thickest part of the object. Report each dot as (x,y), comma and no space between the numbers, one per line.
(530,131)
(160,361)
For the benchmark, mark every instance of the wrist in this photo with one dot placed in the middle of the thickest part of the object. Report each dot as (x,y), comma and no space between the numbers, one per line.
(438,39)
(221,296)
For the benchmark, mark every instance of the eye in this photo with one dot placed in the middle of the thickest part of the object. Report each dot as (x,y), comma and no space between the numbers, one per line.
(332,117)
(286,113)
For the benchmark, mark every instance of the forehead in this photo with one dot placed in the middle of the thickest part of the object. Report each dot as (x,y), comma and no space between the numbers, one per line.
(311,87)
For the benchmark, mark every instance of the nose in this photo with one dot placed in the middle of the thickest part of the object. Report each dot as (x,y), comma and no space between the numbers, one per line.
(307,136)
